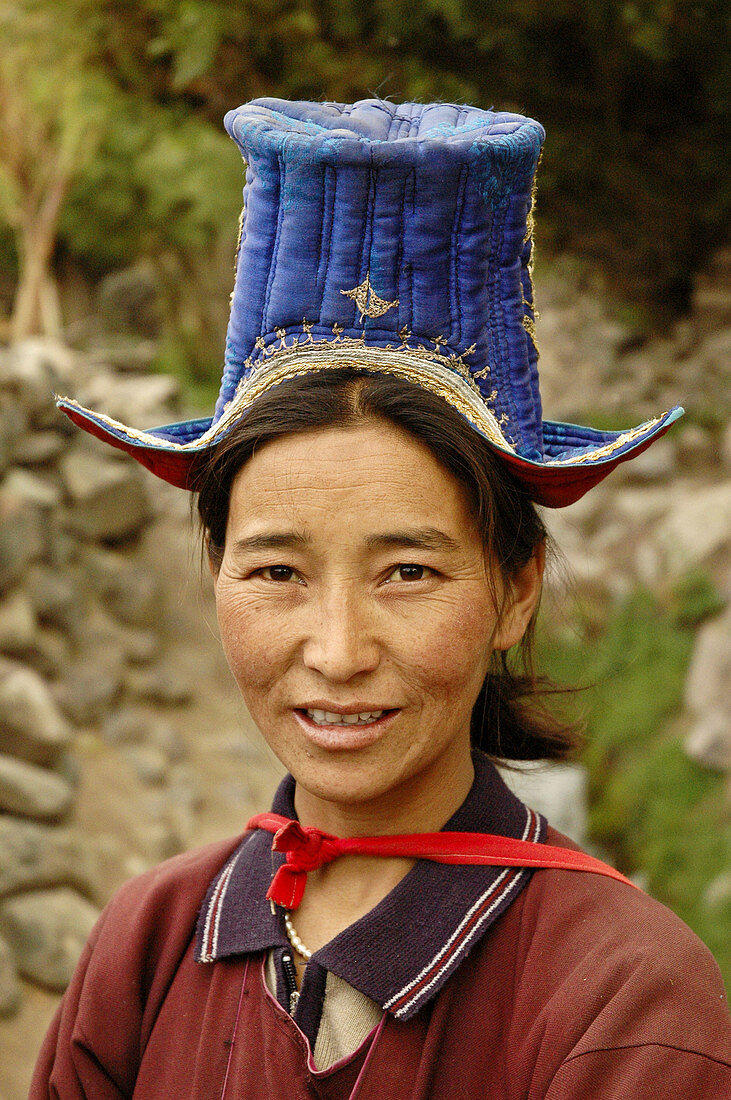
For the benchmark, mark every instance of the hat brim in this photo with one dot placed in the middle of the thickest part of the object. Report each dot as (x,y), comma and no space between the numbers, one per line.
(577,458)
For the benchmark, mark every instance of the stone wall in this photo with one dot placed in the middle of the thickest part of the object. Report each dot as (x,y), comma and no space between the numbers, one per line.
(83,652)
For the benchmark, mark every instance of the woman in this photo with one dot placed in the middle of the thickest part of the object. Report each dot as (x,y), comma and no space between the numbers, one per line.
(366,488)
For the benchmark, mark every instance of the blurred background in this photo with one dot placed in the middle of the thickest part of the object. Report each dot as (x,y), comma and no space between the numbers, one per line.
(121,739)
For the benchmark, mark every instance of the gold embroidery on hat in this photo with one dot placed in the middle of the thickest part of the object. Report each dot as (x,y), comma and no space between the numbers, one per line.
(416,365)
(529,322)
(608,449)
(530,327)
(368,302)
(247,393)
(448,376)
(532,308)
(239,237)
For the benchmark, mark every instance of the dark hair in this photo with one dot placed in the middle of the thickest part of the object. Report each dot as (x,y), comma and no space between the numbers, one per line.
(509,719)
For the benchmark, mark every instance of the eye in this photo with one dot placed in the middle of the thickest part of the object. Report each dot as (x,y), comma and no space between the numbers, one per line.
(409,572)
(280,573)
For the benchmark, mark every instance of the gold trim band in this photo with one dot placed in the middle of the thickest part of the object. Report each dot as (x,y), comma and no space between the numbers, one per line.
(447,376)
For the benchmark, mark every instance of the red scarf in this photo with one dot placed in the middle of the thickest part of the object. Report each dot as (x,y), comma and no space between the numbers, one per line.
(307,849)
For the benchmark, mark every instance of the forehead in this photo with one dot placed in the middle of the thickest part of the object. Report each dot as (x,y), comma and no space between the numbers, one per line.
(370,471)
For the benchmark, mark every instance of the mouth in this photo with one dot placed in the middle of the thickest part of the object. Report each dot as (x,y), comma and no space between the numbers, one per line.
(344,730)
(349,718)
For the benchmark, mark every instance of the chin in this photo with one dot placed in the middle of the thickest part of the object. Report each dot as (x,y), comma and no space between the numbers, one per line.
(342,784)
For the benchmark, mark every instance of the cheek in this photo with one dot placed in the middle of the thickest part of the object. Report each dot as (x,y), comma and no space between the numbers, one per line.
(252,641)
(453,653)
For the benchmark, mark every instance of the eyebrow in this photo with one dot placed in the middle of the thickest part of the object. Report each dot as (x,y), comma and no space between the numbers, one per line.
(419,538)
(272,540)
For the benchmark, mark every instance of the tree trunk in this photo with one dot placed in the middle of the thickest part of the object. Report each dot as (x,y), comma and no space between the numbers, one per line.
(36,238)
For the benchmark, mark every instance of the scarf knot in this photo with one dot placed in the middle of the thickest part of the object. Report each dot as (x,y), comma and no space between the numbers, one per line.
(305,849)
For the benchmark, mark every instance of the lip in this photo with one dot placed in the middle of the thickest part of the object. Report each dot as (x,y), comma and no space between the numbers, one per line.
(339,738)
(356,707)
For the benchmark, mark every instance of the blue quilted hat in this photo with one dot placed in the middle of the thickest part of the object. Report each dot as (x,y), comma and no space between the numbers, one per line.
(390,239)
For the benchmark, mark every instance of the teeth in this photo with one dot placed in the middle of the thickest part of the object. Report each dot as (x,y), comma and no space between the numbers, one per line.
(329,718)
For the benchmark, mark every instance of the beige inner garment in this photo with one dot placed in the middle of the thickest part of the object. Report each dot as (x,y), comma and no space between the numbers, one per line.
(348,1017)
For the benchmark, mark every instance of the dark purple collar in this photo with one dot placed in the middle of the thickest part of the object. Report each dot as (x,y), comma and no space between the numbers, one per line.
(402,952)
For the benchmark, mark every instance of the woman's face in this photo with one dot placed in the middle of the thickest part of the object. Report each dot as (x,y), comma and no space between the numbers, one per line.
(358,617)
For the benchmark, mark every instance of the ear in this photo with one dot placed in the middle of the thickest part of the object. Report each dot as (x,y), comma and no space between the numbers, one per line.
(523,593)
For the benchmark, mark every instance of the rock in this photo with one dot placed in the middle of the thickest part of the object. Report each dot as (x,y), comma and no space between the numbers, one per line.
(30,791)
(134,644)
(39,448)
(138,726)
(174,808)
(157,841)
(128,590)
(141,401)
(163,684)
(169,742)
(47,930)
(13,424)
(709,741)
(108,499)
(184,787)
(31,725)
(129,301)
(38,493)
(32,370)
(726,446)
(709,673)
(58,600)
(50,653)
(130,726)
(34,856)
(557,791)
(657,463)
(9,984)
(90,686)
(17,624)
(140,646)
(126,354)
(696,448)
(696,528)
(41,499)
(149,763)
(718,891)
(21,539)
(707,696)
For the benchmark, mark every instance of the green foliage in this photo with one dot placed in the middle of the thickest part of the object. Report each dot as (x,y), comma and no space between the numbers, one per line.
(657,811)
(164,180)
(626,180)
(178,357)
(695,598)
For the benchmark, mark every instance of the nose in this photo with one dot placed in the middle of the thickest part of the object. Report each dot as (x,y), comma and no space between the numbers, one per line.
(340,643)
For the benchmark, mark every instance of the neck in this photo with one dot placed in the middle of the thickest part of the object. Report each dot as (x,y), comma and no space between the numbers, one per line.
(412,807)
(343,891)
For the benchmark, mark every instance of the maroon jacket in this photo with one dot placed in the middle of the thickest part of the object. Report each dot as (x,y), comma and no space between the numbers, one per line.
(584,989)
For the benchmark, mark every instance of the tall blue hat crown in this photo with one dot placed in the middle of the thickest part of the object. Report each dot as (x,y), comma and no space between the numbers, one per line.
(401,227)
(393,239)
